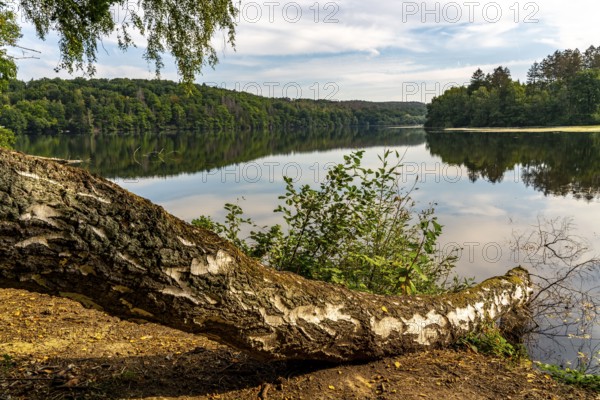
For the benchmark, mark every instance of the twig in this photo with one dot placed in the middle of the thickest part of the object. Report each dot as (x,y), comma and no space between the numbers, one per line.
(60,160)
(264,390)
(26,379)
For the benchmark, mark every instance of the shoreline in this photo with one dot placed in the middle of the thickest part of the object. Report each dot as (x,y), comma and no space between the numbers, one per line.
(590,128)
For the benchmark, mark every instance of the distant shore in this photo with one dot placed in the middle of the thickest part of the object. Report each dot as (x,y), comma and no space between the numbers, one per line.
(589,128)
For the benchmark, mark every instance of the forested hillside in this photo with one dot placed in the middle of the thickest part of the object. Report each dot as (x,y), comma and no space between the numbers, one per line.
(562,89)
(49,106)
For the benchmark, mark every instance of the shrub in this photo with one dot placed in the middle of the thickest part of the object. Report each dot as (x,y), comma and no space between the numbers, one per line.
(7,138)
(359,229)
(489,340)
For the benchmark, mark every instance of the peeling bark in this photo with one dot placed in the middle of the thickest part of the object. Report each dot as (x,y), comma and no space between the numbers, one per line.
(66,232)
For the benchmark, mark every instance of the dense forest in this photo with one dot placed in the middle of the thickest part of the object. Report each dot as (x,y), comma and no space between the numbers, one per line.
(562,89)
(85,106)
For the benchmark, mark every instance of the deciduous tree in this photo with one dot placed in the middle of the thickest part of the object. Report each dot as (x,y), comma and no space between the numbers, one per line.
(183,28)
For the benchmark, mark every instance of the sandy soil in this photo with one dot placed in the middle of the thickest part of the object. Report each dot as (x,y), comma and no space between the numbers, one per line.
(53,348)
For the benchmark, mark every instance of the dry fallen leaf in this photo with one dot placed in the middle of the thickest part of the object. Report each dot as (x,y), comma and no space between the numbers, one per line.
(71,383)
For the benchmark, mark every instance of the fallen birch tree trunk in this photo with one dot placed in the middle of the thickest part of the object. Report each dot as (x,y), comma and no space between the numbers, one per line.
(68,233)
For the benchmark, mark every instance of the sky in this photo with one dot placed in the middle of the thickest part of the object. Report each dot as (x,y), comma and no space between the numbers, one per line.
(360,50)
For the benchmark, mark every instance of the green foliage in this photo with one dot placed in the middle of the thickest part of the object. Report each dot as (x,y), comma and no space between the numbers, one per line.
(572,376)
(50,106)
(9,34)
(449,110)
(183,28)
(564,89)
(7,362)
(127,375)
(489,340)
(359,229)
(231,229)
(7,138)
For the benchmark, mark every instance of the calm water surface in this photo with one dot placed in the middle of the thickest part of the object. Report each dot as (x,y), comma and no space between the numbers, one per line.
(485,185)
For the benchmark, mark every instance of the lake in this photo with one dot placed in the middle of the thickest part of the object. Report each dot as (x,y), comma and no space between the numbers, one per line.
(485,186)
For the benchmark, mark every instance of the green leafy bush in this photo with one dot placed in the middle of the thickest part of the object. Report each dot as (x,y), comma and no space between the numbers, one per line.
(358,228)
(489,340)
(572,376)
(7,138)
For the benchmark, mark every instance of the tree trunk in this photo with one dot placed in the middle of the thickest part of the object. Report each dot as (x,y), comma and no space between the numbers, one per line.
(66,232)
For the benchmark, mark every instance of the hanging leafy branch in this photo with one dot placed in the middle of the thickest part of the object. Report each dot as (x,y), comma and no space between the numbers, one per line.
(9,34)
(183,28)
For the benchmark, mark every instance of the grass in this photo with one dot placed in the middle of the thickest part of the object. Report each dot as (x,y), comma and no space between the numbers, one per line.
(572,377)
(491,341)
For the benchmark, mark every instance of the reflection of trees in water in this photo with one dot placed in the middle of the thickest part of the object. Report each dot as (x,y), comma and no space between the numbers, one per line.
(553,163)
(565,306)
(537,176)
(152,154)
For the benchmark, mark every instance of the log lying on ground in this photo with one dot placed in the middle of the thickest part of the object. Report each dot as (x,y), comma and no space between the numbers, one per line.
(66,232)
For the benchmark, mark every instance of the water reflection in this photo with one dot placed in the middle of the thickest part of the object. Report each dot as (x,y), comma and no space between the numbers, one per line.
(159,155)
(552,163)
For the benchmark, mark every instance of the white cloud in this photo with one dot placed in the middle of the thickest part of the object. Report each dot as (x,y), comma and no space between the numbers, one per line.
(373,50)
(570,25)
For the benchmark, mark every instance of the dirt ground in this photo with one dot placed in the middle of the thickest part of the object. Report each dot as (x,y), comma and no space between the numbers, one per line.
(53,348)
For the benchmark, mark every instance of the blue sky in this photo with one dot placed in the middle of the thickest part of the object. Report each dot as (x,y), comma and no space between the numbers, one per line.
(349,49)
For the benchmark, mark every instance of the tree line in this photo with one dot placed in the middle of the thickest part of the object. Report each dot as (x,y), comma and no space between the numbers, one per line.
(89,106)
(562,89)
